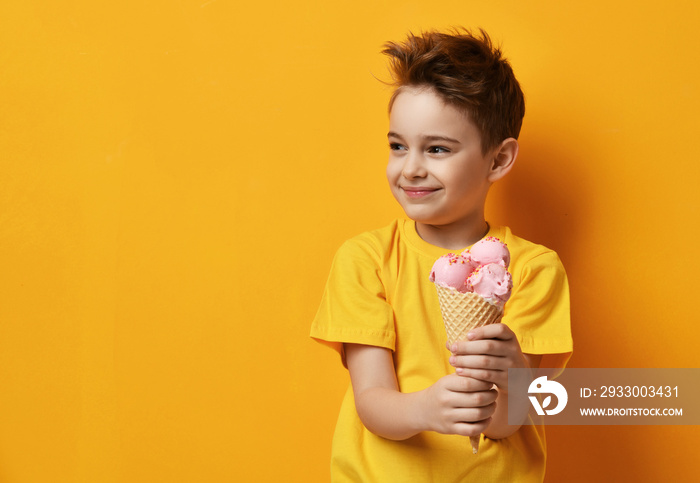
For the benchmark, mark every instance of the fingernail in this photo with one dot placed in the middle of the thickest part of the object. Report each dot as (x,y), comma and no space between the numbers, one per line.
(471,335)
(452,360)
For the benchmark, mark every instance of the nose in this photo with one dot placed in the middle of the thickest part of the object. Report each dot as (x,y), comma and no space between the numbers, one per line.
(414,166)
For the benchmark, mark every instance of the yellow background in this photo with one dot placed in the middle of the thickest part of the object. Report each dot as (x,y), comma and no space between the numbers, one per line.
(175,177)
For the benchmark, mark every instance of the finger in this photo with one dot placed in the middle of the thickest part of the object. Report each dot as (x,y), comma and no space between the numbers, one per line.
(492,331)
(472,400)
(488,332)
(479,361)
(494,347)
(481,399)
(471,429)
(497,377)
(473,415)
(466,384)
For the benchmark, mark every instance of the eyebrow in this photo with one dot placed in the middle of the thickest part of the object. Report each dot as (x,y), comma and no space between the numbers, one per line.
(427,137)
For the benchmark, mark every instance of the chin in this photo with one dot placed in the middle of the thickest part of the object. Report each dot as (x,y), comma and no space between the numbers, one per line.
(425,219)
(425,213)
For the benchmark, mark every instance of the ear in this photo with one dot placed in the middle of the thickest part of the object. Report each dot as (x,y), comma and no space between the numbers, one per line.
(504,156)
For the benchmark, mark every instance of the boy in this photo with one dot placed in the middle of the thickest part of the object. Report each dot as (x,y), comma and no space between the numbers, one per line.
(454,121)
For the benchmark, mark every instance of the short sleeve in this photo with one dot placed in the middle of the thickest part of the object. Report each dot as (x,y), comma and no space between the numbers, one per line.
(539,311)
(354,308)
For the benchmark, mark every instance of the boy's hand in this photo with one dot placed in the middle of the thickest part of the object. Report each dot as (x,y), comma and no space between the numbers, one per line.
(487,354)
(459,405)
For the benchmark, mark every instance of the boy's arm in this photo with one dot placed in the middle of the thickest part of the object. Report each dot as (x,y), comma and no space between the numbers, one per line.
(453,405)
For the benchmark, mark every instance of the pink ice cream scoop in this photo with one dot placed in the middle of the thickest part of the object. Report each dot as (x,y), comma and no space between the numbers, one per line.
(452,271)
(493,282)
(490,250)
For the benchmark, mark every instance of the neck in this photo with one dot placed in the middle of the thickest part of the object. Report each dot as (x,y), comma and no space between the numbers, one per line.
(454,236)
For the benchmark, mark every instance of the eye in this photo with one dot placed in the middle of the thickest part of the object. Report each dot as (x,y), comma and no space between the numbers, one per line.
(396,146)
(438,150)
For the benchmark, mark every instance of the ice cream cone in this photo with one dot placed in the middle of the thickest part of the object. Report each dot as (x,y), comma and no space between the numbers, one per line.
(474,440)
(462,312)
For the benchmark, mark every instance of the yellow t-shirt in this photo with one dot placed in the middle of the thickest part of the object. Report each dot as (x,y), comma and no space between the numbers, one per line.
(378,294)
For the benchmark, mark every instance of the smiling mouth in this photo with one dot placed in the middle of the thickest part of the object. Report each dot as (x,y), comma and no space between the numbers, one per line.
(418,192)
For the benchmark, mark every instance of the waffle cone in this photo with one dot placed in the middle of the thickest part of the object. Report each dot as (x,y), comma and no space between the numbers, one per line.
(474,440)
(462,312)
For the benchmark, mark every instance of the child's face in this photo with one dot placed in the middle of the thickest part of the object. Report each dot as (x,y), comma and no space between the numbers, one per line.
(436,169)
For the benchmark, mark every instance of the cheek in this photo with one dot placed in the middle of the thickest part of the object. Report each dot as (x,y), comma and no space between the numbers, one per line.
(393,170)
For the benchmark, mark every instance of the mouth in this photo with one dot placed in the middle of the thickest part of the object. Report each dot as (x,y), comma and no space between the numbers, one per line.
(418,191)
